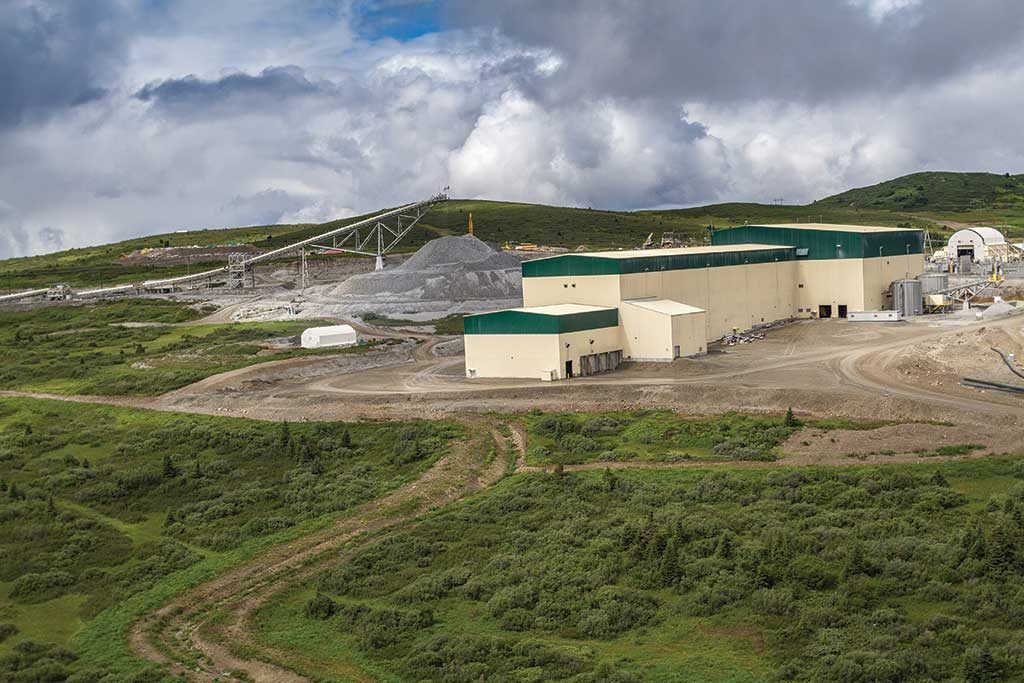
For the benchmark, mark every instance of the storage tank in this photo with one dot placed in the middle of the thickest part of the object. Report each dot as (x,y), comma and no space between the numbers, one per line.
(934,282)
(907,297)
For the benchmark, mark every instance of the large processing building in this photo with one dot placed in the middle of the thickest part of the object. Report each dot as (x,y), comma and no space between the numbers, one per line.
(585,313)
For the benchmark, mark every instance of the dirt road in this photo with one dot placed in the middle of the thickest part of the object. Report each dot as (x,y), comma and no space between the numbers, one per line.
(202,634)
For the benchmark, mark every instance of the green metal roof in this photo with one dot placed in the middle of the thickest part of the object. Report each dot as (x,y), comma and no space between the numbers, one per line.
(614,263)
(535,321)
(828,243)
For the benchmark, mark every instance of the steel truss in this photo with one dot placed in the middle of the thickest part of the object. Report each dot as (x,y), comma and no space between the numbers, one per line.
(381,236)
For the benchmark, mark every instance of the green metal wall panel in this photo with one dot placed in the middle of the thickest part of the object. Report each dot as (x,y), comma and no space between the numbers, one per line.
(826,244)
(580,264)
(570,264)
(527,322)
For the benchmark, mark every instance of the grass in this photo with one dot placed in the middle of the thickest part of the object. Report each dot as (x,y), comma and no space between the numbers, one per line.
(870,573)
(89,350)
(918,200)
(154,502)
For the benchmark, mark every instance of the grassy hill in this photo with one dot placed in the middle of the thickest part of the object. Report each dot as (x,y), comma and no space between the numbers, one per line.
(921,200)
(939,192)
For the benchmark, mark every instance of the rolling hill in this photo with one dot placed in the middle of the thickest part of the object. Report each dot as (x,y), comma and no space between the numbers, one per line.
(923,200)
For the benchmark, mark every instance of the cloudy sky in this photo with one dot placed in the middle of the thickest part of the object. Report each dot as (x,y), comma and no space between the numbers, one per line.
(120,117)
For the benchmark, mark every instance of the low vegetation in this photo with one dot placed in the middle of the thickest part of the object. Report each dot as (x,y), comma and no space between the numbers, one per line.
(896,573)
(653,435)
(98,504)
(95,349)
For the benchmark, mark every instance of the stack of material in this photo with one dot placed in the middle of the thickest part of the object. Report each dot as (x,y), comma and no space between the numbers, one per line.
(449,273)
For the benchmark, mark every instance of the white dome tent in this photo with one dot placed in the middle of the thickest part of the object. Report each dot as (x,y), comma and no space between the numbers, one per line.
(979,243)
(323,337)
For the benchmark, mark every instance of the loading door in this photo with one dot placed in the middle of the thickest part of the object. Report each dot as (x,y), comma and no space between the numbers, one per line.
(825,311)
(568,369)
(842,310)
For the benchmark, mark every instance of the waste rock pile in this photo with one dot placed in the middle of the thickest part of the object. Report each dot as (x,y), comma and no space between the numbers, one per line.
(447,275)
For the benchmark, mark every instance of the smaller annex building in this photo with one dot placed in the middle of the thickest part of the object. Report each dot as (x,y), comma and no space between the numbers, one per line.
(546,342)
(332,335)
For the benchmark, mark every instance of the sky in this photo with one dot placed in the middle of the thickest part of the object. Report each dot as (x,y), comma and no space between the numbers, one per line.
(120,118)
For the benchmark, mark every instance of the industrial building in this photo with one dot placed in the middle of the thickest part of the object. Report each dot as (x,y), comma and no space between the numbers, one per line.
(585,313)
(979,244)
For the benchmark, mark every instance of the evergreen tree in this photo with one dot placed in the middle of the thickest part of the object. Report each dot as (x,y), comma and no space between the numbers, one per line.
(855,563)
(610,480)
(285,436)
(939,480)
(170,469)
(346,439)
(790,419)
(981,666)
(1001,548)
(171,518)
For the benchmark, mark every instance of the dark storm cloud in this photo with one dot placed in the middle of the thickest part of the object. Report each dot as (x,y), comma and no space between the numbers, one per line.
(194,95)
(737,50)
(55,54)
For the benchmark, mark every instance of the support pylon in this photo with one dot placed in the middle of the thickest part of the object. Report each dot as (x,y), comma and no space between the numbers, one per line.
(470,226)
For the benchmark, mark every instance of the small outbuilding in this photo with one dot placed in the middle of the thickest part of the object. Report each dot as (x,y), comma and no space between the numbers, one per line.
(333,335)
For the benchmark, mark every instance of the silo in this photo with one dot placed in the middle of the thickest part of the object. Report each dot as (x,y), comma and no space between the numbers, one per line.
(934,282)
(907,297)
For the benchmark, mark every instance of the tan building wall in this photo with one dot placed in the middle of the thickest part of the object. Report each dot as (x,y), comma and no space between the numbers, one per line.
(535,356)
(833,282)
(653,335)
(688,332)
(858,284)
(592,290)
(879,274)
(733,296)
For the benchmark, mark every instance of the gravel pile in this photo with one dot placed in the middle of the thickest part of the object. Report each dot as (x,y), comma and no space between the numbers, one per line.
(446,273)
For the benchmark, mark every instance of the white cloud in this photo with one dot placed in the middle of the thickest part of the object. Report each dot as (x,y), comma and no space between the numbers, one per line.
(290,116)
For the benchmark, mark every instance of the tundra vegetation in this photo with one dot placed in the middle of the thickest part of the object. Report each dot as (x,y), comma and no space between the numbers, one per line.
(889,573)
(101,504)
(94,349)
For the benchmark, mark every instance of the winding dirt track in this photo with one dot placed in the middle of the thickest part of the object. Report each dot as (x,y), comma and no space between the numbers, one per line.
(201,633)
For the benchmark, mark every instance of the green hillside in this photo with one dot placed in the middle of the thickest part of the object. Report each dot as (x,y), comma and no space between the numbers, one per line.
(940,192)
(921,200)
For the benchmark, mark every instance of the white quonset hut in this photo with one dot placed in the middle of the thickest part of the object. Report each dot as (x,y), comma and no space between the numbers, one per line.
(981,244)
(334,335)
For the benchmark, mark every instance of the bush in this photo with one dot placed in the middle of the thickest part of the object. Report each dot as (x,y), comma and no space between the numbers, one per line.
(320,607)
(42,586)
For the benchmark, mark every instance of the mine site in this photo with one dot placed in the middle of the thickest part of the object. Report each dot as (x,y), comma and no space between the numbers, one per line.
(447,342)
(462,365)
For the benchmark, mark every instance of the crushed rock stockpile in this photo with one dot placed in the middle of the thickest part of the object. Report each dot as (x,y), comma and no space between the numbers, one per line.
(942,361)
(447,275)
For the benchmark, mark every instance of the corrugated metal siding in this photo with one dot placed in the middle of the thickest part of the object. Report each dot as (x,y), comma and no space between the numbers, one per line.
(578,264)
(826,244)
(570,264)
(525,322)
